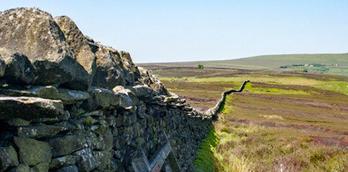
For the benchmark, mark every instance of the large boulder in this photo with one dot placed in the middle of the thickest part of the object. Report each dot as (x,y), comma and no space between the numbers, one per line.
(109,72)
(8,158)
(34,33)
(67,144)
(30,108)
(18,68)
(78,43)
(33,152)
(106,99)
(133,73)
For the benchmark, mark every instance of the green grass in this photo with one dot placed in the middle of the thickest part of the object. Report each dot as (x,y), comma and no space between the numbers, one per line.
(248,147)
(335,86)
(274,91)
(253,148)
(284,80)
(205,160)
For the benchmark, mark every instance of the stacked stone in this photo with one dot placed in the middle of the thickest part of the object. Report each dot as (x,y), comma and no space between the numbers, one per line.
(68,103)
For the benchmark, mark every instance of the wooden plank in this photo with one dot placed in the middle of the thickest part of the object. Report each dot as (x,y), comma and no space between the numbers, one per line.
(165,154)
(141,164)
(159,160)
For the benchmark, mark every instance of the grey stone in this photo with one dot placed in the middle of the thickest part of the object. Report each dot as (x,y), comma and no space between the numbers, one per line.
(71,168)
(8,91)
(63,161)
(18,122)
(78,43)
(125,101)
(42,167)
(104,160)
(18,68)
(21,168)
(108,140)
(109,71)
(67,144)
(93,113)
(40,131)
(129,118)
(111,120)
(48,92)
(106,99)
(100,139)
(94,142)
(33,152)
(150,80)
(87,161)
(29,108)
(143,91)
(132,73)
(103,97)
(66,95)
(34,33)
(8,158)
(172,98)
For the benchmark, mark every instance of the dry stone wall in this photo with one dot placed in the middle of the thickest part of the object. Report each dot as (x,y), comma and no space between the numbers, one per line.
(68,103)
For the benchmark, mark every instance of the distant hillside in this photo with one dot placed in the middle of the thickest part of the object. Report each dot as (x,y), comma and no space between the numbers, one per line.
(312,63)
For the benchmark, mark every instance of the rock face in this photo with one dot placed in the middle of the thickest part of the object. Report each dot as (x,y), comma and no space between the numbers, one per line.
(19,69)
(8,157)
(33,152)
(79,44)
(30,108)
(68,103)
(113,69)
(35,34)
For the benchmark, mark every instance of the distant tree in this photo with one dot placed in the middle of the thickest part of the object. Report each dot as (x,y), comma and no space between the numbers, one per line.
(200,66)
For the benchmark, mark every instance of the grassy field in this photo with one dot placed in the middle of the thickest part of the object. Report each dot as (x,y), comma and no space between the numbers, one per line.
(282,122)
(336,64)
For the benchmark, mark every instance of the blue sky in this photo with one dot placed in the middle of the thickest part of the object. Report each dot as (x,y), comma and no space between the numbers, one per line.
(186,30)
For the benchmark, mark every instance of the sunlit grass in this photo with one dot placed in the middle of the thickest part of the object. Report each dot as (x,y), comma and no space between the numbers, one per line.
(241,147)
(254,148)
(274,124)
(285,80)
(205,160)
(277,91)
(335,86)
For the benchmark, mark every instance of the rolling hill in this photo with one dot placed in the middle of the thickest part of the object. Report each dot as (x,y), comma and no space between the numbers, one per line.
(336,64)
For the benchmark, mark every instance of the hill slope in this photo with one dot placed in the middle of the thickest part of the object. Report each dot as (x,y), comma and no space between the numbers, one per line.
(313,63)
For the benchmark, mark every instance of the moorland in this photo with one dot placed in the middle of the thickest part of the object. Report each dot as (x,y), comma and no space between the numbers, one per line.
(283,121)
